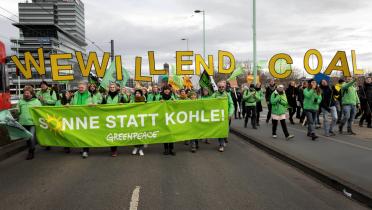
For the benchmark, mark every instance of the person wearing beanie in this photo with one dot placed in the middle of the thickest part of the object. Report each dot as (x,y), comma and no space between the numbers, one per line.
(279,107)
(312,99)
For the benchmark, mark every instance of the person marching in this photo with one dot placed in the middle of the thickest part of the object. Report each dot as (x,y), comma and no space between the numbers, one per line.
(269,90)
(82,97)
(28,100)
(194,143)
(167,95)
(292,93)
(46,96)
(328,107)
(113,97)
(312,99)
(221,93)
(250,97)
(365,95)
(279,103)
(95,93)
(205,94)
(138,98)
(154,95)
(260,97)
(350,102)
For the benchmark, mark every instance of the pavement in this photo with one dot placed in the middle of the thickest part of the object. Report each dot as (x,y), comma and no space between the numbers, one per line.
(242,177)
(346,159)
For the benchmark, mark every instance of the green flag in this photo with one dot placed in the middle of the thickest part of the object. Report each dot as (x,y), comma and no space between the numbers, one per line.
(126,77)
(237,72)
(175,80)
(262,64)
(15,130)
(205,81)
(110,76)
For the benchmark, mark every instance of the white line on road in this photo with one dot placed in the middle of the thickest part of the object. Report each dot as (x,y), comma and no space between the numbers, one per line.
(135,198)
(339,141)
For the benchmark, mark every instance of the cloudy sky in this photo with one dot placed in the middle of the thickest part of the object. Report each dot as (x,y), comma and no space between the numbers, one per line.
(289,26)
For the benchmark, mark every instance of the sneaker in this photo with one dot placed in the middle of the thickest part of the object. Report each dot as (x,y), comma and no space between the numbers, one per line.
(331,133)
(221,149)
(275,136)
(84,155)
(166,152)
(135,150)
(314,136)
(350,132)
(172,153)
(289,137)
(254,127)
(141,152)
(114,154)
(193,150)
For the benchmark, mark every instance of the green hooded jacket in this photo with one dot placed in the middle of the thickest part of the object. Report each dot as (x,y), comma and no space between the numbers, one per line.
(49,98)
(82,99)
(231,108)
(311,99)
(349,94)
(250,97)
(23,107)
(279,103)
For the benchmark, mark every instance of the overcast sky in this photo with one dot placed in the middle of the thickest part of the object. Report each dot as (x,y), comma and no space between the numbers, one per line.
(289,26)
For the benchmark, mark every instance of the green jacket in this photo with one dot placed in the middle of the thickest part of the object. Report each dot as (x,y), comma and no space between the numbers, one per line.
(23,107)
(49,99)
(279,103)
(97,97)
(205,97)
(311,99)
(349,94)
(250,97)
(153,97)
(259,95)
(231,108)
(83,99)
(115,100)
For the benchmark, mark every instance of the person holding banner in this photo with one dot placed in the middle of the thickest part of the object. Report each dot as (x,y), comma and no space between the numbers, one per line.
(194,143)
(167,95)
(46,96)
(312,99)
(205,94)
(154,95)
(113,97)
(138,98)
(279,103)
(221,93)
(83,97)
(350,103)
(95,93)
(125,95)
(28,100)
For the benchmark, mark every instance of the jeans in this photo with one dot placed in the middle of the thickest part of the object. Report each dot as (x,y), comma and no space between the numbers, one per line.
(348,112)
(32,141)
(328,128)
(311,118)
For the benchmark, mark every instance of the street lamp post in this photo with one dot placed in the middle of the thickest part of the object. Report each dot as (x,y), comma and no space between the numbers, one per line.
(202,11)
(254,45)
(187,48)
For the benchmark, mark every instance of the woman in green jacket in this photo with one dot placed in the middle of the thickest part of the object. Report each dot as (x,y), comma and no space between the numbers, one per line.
(312,99)
(138,98)
(279,105)
(113,97)
(29,100)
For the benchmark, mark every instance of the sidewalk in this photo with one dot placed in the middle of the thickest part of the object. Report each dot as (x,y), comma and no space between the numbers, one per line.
(345,159)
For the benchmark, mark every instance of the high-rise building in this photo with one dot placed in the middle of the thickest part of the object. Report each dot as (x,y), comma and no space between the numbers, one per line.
(57,26)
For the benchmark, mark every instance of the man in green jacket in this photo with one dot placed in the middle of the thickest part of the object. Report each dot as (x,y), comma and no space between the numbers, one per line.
(221,93)
(350,103)
(250,98)
(312,99)
(29,100)
(83,97)
(46,96)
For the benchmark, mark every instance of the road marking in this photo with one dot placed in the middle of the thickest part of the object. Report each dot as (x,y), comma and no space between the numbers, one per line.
(339,141)
(135,198)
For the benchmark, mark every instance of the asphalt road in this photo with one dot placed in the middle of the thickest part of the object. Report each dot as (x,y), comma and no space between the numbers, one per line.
(240,178)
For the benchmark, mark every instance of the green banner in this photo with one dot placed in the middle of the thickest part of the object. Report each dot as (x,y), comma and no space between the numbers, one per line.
(131,124)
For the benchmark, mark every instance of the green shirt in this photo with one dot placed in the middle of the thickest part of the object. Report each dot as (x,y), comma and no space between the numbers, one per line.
(23,107)
(311,99)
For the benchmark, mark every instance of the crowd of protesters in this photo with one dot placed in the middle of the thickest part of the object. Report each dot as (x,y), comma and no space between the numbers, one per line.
(90,95)
(338,104)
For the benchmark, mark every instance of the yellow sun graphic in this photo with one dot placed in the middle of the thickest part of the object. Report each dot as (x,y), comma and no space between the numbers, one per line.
(54,124)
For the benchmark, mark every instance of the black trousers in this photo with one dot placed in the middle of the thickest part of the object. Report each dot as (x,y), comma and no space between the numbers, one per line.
(269,107)
(292,111)
(168,146)
(284,127)
(250,112)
